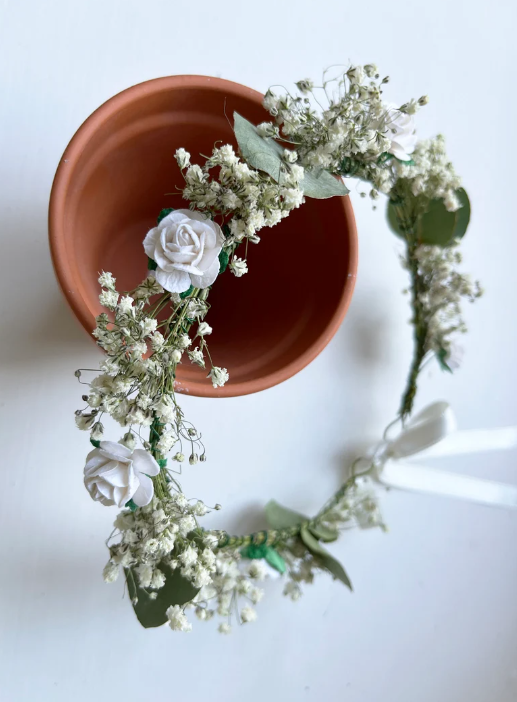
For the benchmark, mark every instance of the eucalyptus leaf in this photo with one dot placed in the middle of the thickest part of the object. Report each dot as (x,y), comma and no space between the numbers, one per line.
(279,517)
(328,562)
(176,591)
(393,220)
(322,185)
(261,153)
(436,226)
(265,154)
(323,533)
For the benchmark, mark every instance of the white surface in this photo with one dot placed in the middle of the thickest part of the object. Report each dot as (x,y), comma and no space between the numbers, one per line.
(434,613)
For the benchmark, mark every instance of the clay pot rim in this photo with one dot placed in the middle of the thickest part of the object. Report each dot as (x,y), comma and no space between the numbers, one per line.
(57,237)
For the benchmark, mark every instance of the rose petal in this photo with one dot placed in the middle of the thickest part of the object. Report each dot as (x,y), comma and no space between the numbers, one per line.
(215,228)
(184,256)
(93,474)
(143,462)
(398,152)
(122,495)
(118,476)
(150,240)
(145,492)
(94,460)
(203,281)
(114,451)
(105,490)
(210,253)
(175,217)
(165,262)
(193,214)
(176,281)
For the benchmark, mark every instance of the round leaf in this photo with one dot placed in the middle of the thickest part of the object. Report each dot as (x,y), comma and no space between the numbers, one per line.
(176,591)
(438,227)
(393,220)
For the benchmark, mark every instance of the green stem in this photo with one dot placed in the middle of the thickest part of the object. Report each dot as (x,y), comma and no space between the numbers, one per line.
(156,428)
(420,331)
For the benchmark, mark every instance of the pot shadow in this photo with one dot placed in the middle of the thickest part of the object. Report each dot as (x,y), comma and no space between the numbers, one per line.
(38,325)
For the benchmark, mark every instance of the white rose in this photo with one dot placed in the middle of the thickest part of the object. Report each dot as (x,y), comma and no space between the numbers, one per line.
(400,130)
(114,474)
(186,247)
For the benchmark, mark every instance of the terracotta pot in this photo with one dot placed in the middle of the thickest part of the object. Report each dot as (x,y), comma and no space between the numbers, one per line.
(119,171)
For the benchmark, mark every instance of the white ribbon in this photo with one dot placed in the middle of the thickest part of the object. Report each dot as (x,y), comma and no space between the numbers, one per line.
(431,433)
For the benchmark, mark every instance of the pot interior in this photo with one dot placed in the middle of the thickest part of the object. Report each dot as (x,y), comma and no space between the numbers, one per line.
(267,324)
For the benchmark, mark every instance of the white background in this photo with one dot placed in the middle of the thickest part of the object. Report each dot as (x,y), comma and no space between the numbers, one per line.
(434,613)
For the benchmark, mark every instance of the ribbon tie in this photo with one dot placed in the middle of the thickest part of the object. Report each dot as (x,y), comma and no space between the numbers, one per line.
(430,433)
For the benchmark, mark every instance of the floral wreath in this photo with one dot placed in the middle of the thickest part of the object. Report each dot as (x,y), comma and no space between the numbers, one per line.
(171,563)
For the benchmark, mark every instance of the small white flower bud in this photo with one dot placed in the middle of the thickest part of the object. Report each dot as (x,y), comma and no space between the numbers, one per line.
(204,329)
(97,432)
(183,341)
(110,572)
(183,158)
(176,356)
(193,459)
(305,86)
(179,457)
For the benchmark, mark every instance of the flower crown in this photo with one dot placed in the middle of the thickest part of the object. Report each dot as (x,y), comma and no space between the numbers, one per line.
(170,562)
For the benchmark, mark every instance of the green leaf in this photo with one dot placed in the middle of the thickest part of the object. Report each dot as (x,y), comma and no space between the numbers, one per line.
(394,221)
(261,153)
(266,552)
(438,227)
(441,356)
(223,260)
(323,533)
(131,505)
(176,591)
(265,154)
(328,562)
(254,551)
(275,560)
(279,517)
(322,185)
(188,292)
(151,265)
(164,213)
(95,443)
